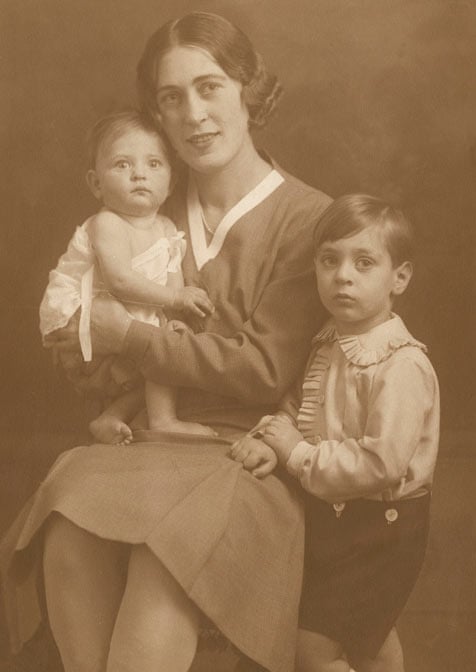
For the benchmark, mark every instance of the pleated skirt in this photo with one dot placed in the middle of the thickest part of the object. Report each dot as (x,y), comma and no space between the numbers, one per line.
(234,543)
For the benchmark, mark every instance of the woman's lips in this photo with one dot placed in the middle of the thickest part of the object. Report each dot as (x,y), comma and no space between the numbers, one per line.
(201,139)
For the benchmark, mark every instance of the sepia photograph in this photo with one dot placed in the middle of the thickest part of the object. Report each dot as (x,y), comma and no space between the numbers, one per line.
(238,413)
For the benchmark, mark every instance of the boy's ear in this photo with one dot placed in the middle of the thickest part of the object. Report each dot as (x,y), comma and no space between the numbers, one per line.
(93,182)
(402,276)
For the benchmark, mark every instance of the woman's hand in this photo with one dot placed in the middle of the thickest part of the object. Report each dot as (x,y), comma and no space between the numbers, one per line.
(192,300)
(109,324)
(282,436)
(254,455)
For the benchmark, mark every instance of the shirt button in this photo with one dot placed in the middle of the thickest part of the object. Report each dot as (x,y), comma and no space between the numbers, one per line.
(338,508)
(391,515)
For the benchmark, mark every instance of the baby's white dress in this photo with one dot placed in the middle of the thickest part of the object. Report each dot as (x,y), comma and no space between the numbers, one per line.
(76,280)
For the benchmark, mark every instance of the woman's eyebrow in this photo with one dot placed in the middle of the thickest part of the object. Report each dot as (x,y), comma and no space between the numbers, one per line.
(197,80)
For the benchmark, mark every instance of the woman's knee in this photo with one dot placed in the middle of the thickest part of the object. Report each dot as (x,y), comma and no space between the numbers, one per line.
(318,653)
(61,541)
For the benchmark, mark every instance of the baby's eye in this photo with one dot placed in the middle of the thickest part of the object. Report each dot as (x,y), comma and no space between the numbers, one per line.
(155,163)
(121,163)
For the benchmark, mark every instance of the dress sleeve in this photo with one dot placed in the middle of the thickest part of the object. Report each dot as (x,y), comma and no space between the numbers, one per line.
(404,391)
(258,363)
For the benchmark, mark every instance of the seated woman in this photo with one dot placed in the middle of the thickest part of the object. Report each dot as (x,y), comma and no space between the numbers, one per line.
(141,540)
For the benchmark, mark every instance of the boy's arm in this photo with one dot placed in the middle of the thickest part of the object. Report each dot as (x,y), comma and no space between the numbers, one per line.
(404,394)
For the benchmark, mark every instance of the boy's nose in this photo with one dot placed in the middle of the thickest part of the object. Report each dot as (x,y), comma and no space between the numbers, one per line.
(343,273)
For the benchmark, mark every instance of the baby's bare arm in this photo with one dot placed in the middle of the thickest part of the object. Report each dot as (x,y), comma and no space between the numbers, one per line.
(110,239)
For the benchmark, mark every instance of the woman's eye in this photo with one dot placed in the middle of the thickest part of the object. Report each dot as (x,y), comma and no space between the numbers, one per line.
(169,99)
(209,87)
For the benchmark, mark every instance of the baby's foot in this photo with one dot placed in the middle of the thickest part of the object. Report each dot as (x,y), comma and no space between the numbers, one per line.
(109,429)
(175,425)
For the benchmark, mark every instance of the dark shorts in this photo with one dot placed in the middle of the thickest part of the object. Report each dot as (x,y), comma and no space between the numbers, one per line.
(360,569)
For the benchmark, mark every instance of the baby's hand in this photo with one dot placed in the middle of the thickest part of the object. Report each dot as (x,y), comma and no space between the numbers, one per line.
(282,436)
(192,300)
(254,455)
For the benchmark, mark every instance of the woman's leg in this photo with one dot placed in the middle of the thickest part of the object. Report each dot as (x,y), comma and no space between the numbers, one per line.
(318,653)
(157,625)
(389,658)
(84,579)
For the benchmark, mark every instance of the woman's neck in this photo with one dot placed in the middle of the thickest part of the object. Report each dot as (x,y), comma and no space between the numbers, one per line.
(220,190)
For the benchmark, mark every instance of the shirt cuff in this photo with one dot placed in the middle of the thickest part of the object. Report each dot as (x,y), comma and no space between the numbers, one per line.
(297,457)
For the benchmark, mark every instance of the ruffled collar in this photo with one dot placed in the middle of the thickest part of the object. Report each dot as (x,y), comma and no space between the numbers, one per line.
(375,345)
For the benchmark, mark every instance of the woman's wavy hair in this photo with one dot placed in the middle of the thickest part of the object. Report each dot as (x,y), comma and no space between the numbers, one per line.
(227,45)
(352,213)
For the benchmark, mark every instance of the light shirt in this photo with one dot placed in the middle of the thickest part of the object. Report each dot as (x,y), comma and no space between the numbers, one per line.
(369,414)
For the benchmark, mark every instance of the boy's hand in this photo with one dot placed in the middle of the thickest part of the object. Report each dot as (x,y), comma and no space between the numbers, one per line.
(192,300)
(282,436)
(178,325)
(255,456)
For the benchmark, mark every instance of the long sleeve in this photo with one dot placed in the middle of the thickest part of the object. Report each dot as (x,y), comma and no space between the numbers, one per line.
(263,286)
(398,445)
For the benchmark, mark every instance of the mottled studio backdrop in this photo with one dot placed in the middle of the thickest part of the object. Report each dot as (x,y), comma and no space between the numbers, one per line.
(380,96)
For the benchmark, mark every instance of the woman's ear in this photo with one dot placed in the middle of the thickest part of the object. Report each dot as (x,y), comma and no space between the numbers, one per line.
(402,276)
(93,182)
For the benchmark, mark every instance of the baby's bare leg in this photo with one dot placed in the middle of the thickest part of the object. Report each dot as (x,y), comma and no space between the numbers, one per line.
(111,426)
(161,409)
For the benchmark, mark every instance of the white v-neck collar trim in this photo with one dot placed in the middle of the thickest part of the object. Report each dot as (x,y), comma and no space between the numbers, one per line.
(203,252)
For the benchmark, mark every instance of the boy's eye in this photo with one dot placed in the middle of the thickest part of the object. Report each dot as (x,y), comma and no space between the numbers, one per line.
(328,260)
(364,263)
(122,163)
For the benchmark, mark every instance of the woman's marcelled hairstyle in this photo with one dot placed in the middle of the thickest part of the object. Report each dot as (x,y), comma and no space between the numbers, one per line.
(227,45)
(352,213)
(113,125)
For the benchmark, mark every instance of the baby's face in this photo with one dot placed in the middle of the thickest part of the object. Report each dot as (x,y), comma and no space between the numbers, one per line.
(132,173)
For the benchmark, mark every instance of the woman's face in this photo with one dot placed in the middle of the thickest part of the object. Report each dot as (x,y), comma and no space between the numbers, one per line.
(201,109)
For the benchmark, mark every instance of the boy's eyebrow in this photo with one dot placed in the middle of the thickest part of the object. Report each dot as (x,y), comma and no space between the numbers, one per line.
(359,250)
(197,80)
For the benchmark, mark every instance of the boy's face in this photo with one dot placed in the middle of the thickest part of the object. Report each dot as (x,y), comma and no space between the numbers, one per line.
(132,173)
(356,280)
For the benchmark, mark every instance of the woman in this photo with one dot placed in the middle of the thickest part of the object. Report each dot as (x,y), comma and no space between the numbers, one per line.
(140,541)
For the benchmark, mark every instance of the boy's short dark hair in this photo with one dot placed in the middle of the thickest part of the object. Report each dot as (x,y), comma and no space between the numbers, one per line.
(352,213)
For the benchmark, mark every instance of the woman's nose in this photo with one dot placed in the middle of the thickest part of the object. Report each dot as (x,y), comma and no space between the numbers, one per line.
(195,108)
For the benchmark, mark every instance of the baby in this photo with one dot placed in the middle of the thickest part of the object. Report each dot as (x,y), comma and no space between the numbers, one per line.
(132,252)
